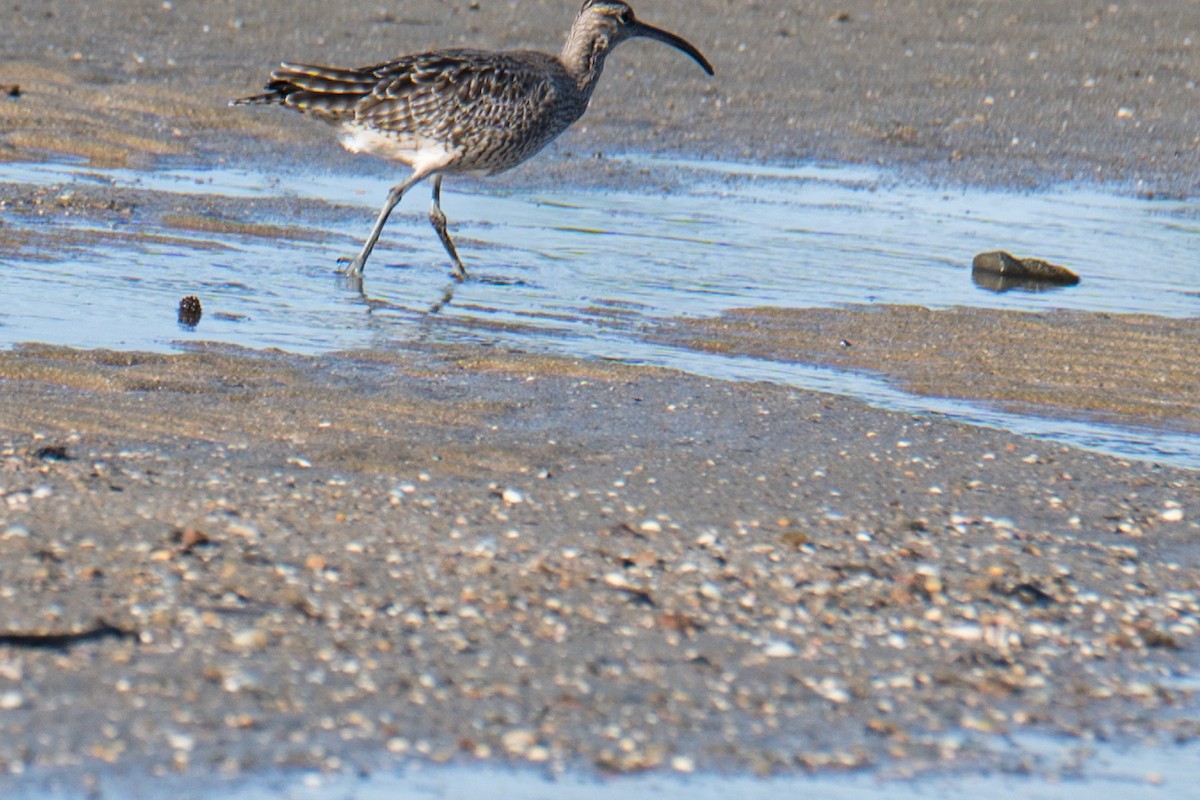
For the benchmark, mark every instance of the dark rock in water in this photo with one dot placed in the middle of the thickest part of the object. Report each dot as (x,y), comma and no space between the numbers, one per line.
(190,311)
(1001,263)
(999,284)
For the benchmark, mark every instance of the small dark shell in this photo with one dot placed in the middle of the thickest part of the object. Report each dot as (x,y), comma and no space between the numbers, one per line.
(190,310)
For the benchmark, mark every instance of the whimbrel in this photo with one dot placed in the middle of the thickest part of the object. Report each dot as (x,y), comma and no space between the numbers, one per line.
(455,111)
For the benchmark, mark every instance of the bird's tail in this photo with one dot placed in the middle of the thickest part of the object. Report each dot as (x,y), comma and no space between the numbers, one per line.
(329,92)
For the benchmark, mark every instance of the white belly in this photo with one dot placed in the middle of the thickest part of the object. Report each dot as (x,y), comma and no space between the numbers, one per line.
(419,153)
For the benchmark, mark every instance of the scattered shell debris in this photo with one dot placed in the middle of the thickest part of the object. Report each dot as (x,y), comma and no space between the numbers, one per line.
(667,603)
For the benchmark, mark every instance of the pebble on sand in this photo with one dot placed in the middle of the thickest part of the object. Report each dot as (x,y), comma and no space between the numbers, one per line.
(1172,514)
(518,741)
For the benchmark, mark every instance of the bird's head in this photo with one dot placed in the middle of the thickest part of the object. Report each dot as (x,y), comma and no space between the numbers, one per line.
(603,24)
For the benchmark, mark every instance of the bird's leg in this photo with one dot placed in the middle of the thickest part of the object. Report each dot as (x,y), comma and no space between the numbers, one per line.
(438,219)
(355,265)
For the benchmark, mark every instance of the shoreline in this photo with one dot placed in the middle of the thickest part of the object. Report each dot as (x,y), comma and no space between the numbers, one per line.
(346,561)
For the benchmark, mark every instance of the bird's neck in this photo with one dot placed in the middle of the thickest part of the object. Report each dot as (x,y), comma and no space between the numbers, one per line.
(583,55)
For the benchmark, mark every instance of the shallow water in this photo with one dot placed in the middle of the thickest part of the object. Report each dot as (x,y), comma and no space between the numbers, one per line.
(1131,774)
(580,272)
(1058,772)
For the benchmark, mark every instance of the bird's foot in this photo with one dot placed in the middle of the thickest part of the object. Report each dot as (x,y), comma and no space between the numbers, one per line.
(351,267)
(459,273)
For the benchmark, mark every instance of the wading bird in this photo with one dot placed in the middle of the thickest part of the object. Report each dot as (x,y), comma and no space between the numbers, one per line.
(455,111)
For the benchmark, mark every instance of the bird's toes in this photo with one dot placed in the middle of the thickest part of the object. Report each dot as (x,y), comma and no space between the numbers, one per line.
(350,266)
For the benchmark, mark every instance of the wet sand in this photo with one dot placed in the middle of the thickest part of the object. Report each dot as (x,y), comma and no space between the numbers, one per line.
(458,555)
(1130,369)
(232,561)
(1022,93)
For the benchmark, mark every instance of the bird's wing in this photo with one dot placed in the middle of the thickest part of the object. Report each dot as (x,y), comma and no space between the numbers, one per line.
(451,91)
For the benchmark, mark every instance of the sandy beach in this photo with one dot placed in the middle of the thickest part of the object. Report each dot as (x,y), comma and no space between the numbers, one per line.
(230,561)
(1021,94)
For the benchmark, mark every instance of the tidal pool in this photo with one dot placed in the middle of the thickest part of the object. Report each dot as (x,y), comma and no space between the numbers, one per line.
(582,272)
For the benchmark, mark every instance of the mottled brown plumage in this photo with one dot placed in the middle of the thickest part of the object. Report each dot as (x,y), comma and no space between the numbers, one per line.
(458,110)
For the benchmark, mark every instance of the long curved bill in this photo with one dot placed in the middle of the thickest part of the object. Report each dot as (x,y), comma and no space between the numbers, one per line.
(678,42)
